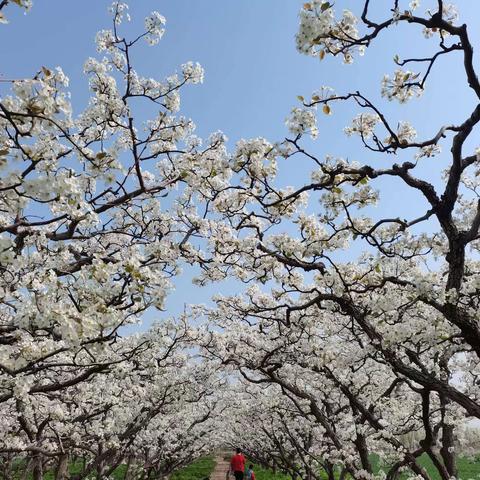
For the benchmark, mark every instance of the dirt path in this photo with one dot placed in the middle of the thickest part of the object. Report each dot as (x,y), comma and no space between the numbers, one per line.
(221,467)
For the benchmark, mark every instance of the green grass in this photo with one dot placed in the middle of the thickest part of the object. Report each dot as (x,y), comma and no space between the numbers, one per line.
(468,469)
(197,470)
(74,468)
(267,474)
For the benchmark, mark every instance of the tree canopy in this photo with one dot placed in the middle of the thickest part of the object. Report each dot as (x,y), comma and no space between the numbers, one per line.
(354,334)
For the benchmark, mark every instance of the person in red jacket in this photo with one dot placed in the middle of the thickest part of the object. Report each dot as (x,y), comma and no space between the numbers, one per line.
(237,464)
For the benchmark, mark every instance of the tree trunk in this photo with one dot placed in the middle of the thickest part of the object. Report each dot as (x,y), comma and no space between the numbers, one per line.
(37,472)
(330,470)
(448,450)
(99,470)
(128,470)
(7,467)
(61,472)
(362,449)
(343,474)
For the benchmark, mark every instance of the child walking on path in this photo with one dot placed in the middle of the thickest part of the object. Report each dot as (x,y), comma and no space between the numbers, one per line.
(250,473)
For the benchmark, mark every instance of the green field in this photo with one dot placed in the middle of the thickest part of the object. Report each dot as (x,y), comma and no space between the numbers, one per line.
(74,468)
(198,470)
(267,474)
(468,469)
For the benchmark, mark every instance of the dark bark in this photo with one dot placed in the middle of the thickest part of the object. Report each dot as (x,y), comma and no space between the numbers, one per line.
(361,444)
(448,450)
(61,471)
(37,471)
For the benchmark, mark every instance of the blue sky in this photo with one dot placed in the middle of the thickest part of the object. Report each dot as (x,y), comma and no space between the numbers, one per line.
(253,73)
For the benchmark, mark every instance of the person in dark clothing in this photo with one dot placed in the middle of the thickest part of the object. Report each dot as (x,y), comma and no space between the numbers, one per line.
(237,464)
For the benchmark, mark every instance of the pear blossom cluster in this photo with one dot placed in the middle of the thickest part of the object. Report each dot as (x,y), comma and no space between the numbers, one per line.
(193,73)
(154,27)
(302,120)
(401,87)
(363,124)
(321,33)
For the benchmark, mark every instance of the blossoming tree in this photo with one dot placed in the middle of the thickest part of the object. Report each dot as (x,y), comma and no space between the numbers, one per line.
(85,245)
(387,338)
(150,414)
(94,214)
